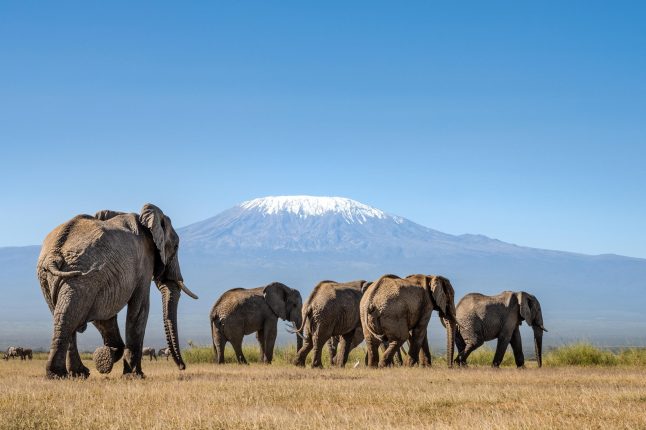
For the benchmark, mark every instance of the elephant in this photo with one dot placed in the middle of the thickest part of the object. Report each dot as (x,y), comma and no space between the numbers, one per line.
(482,318)
(25,353)
(163,352)
(13,352)
(150,352)
(395,309)
(332,309)
(241,311)
(91,267)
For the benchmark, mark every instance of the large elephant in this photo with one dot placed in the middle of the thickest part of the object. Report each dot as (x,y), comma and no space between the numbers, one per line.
(482,318)
(395,309)
(91,267)
(241,311)
(331,310)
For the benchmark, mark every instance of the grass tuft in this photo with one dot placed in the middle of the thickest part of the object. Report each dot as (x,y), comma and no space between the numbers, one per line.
(580,354)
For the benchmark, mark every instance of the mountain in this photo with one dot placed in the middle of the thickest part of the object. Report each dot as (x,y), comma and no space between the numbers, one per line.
(300,240)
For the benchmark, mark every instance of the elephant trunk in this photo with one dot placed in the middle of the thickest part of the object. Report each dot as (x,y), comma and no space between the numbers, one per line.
(450,344)
(170,298)
(538,345)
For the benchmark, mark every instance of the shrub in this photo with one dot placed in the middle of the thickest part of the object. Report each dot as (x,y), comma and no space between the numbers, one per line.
(580,354)
(632,357)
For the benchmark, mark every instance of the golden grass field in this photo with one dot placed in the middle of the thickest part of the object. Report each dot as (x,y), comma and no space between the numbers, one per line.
(282,396)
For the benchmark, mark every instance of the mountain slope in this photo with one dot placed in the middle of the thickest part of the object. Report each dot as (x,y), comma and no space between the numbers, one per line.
(300,240)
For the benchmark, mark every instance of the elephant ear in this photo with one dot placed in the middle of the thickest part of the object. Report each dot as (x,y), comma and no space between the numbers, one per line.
(106,214)
(153,218)
(439,293)
(276,295)
(525,309)
(364,286)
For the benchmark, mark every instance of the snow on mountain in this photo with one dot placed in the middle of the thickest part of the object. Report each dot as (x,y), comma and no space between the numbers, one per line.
(311,224)
(352,211)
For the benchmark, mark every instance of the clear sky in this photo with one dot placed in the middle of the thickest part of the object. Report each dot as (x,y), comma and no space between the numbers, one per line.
(524,122)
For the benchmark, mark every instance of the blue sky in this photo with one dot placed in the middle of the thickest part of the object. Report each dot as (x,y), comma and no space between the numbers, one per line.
(524,122)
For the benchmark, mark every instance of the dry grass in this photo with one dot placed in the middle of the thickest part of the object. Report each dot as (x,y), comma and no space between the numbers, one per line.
(282,396)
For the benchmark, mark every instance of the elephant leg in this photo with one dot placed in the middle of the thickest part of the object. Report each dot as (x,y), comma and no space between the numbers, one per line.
(109,330)
(332,346)
(501,347)
(469,348)
(517,347)
(461,345)
(74,364)
(220,341)
(389,353)
(344,349)
(416,339)
(136,319)
(260,336)
(301,355)
(237,347)
(69,314)
(317,351)
(372,345)
(271,332)
(425,357)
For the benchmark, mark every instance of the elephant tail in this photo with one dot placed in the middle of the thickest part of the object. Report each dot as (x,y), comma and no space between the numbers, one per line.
(59,276)
(306,323)
(372,323)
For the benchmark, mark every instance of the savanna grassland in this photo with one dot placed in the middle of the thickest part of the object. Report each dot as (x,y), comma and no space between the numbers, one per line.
(604,392)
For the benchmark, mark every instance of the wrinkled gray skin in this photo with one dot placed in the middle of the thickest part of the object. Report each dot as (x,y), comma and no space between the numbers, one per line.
(149,352)
(91,267)
(482,318)
(332,309)
(241,311)
(397,309)
(163,352)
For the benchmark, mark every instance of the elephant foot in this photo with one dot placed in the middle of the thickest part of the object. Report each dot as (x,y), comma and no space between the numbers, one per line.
(299,363)
(134,375)
(56,373)
(102,358)
(521,367)
(81,372)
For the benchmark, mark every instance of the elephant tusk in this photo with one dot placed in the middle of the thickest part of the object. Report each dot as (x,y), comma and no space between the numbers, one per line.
(294,330)
(186,290)
(543,328)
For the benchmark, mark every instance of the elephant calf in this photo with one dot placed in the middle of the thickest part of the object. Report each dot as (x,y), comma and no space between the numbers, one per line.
(482,318)
(332,310)
(241,311)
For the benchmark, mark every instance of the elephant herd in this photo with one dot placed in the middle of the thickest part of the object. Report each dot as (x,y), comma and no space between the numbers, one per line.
(385,313)
(91,267)
(152,354)
(17,352)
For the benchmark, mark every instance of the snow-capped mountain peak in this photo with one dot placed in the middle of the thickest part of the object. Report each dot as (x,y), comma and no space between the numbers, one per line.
(352,211)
